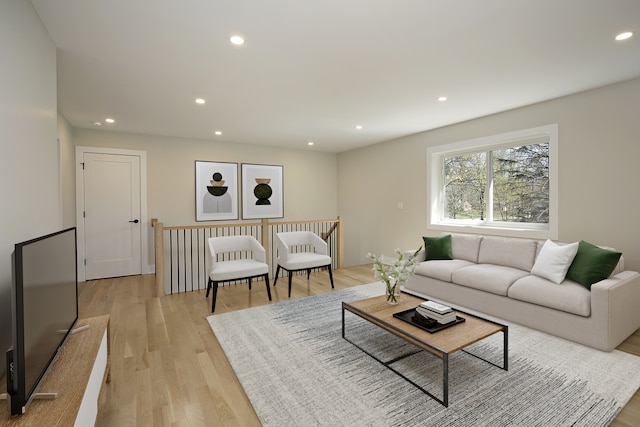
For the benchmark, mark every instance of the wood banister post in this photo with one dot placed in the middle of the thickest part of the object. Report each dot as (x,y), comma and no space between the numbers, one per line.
(340,243)
(158,239)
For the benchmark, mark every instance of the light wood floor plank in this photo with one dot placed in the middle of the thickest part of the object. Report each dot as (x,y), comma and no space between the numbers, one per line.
(167,367)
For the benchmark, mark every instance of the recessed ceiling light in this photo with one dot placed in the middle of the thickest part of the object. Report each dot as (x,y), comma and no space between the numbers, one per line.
(237,40)
(218,133)
(109,120)
(200,101)
(442,98)
(310,143)
(624,36)
(358,127)
(97,124)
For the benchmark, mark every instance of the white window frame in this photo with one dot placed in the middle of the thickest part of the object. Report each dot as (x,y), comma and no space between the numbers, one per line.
(435,184)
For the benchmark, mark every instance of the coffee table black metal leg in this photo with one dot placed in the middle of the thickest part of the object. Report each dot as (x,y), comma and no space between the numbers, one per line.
(505,351)
(445,380)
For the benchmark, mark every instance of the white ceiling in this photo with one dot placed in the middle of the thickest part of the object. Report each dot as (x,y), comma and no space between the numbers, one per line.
(311,70)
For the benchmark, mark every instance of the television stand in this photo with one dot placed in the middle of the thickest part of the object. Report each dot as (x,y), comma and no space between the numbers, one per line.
(77,375)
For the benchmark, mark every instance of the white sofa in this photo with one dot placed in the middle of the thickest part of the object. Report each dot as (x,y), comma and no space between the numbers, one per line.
(492,275)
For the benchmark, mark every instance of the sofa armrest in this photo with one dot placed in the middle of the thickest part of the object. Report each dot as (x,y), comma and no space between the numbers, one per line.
(618,298)
(422,254)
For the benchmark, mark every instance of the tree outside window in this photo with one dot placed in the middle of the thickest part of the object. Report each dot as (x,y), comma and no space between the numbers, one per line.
(519,191)
(521,184)
(465,186)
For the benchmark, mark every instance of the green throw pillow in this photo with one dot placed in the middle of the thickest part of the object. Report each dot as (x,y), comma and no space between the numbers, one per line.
(592,264)
(437,247)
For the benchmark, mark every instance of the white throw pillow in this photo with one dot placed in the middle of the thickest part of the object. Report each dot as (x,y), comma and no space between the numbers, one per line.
(554,261)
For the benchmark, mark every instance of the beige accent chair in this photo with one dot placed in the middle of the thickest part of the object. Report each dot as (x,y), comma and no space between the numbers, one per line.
(314,254)
(247,261)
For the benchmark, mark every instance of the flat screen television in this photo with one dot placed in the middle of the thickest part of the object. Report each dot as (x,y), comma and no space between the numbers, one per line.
(44,311)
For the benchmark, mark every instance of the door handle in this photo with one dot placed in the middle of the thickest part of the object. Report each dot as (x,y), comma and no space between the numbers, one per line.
(135,221)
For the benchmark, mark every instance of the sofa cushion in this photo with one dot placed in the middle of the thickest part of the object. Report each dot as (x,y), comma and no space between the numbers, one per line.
(592,264)
(441,269)
(487,277)
(233,269)
(437,247)
(465,246)
(510,252)
(569,296)
(554,260)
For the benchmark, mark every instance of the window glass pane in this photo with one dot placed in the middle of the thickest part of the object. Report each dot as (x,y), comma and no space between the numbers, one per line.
(521,184)
(465,184)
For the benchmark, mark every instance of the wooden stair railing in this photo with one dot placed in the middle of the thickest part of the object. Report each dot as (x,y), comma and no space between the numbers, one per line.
(329,230)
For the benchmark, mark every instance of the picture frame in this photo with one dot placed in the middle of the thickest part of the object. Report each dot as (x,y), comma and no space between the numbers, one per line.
(262,191)
(216,191)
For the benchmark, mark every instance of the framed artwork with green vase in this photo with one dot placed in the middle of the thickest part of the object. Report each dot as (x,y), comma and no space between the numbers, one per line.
(262,191)
(216,191)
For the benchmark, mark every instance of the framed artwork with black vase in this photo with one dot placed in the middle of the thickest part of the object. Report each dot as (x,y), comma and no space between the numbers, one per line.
(262,191)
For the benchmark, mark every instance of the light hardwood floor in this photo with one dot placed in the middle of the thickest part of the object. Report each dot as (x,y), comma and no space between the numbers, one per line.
(167,367)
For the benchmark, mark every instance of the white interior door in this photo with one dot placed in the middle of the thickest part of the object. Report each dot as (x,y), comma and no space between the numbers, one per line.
(112,215)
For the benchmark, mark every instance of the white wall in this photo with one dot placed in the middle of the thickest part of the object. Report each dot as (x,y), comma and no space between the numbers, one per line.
(67,172)
(310,186)
(29,190)
(599,151)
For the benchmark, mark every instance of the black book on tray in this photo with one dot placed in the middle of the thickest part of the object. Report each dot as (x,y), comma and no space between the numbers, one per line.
(423,321)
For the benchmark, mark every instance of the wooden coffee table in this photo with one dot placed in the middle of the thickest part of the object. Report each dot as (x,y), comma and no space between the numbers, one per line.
(441,344)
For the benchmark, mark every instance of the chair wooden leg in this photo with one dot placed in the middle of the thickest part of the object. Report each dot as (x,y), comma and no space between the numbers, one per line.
(276,279)
(290,278)
(249,283)
(266,280)
(214,287)
(330,275)
(308,273)
(208,287)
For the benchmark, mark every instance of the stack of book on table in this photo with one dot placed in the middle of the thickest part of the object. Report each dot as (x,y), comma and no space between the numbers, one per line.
(437,312)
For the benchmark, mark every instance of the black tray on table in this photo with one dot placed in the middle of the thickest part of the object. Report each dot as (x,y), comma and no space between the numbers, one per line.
(408,314)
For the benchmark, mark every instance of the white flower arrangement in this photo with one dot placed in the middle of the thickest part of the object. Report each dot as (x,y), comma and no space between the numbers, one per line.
(396,273)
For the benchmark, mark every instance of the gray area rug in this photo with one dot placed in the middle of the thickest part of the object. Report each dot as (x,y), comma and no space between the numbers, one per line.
(298,371)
